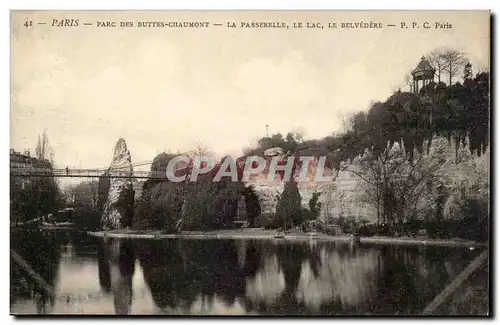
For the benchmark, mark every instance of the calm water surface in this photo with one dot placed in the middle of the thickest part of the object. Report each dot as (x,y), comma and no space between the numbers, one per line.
(257,277)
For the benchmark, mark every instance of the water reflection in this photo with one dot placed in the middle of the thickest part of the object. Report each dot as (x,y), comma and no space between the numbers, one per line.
(120,262)
(43,257)
(228,277)
(268,284)
(346,278)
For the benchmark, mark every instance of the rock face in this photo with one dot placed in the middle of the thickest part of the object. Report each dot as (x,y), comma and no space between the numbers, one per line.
(118,209)
(344,196)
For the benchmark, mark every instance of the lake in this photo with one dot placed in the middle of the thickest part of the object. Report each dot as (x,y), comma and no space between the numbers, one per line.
(92,275)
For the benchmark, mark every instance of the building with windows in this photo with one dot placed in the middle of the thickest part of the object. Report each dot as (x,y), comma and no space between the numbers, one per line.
(21,160)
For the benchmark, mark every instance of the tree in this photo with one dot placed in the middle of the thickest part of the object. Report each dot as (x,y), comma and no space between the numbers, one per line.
(437,60)
(201,150)
(394,184)
(467,71)
(37,196)
(299,134)
(409,81)
(289,208)
(45,191)
(453,62)
(43,149)
(252,205)
(86,194)
(291,142)
(275,140)
(315,205)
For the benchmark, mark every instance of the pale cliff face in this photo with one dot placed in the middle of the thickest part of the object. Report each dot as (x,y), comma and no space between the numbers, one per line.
(344,195)
(120,188)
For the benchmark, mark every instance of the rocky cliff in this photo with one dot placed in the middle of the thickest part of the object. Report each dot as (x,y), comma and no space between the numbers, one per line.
(345,195)
(118,209)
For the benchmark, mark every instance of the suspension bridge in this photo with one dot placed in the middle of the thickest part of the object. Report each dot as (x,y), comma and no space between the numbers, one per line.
(120,172)
(89,173)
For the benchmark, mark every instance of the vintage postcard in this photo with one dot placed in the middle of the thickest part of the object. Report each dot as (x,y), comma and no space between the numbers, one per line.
(250,163)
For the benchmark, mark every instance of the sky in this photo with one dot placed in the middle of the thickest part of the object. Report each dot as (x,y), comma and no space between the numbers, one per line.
(168,89)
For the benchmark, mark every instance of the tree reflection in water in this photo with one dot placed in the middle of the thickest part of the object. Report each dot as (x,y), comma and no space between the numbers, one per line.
(238,277)
(345,277)
(42,252)
(178,271)
(273,277)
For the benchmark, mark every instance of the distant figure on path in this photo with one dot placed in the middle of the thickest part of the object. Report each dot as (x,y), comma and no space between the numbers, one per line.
(67,170)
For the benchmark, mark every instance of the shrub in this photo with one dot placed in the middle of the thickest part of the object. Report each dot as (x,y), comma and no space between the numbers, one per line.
(159,207)
(369,230)
(265,220)
(308,214)
(211,206)
(471,221)
(474,223)
(350,224)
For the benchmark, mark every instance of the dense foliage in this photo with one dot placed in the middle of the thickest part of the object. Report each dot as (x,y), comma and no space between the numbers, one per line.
(35,196)
(289,209)
(460,112)
(201,205)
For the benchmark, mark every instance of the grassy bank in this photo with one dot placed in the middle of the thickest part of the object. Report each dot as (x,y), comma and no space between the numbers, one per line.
(258,233)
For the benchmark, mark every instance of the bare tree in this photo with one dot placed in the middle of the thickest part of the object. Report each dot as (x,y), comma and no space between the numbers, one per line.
(299,134)
(69,192)
(395,184)
(250,148)
(201,150)
(409,81)
(345,121)
(454,61)
(43,149)
(436,58)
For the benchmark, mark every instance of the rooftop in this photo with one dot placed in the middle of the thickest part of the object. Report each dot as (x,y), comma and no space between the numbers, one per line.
(423,66)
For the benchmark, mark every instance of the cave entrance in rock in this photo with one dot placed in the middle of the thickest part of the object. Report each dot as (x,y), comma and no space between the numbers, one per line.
(248,208)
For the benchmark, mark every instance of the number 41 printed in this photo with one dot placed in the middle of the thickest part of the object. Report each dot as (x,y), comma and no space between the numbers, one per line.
(28,23)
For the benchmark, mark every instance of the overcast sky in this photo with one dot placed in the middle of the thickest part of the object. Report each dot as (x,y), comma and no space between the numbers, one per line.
(162,88)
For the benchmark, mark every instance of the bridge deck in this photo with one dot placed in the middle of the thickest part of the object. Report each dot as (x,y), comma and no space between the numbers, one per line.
(92,173)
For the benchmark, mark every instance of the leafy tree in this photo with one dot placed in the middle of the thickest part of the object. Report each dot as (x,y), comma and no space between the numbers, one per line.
(252,204)
(467,71)
(314,204)
(211,205)
(291,142)
(289,209)
(163,208)
(275,140)
(36,196)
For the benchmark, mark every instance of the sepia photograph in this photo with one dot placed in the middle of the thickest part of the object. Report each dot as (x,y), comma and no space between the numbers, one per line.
(250,163)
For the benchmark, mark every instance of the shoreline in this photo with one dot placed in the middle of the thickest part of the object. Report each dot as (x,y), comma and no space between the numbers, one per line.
(260,234)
